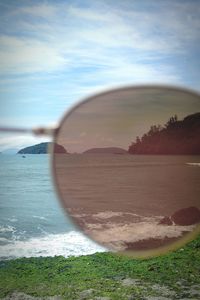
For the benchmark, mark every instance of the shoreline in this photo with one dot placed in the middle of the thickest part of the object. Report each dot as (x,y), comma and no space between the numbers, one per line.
(66,244)
(123,231)
(111,230)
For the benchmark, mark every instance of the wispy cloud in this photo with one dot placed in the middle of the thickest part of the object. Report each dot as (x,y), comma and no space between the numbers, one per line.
(20,55)
(43,10)
(19,141)
(53,53)
(89,36)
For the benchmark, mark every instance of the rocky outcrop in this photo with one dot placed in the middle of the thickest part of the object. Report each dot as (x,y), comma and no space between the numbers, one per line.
(186,216)
(183,217)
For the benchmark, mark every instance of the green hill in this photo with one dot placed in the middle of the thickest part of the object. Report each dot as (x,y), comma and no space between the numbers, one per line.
(175,137)
(42,148)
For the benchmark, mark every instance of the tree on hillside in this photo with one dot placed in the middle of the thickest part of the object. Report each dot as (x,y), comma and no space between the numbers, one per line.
(176,137)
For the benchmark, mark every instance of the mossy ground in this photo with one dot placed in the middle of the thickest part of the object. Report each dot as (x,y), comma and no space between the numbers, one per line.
(106,276)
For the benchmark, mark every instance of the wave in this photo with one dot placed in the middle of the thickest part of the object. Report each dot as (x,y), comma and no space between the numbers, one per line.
(68,244)
(194,164)
(117,230)
(13,220)
(40,218)
(4,240)
(7,228)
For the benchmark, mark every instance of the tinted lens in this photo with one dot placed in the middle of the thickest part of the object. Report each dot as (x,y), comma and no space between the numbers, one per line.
(130,175)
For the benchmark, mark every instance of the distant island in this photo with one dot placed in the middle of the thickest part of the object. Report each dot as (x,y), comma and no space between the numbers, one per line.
(106,150)
(175,137)
(43,148)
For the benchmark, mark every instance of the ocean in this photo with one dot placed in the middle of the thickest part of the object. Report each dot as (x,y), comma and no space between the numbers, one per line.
(119,200)
(32,222)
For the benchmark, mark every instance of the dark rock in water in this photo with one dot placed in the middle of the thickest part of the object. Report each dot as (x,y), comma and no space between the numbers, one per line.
(186,216)
(166,221)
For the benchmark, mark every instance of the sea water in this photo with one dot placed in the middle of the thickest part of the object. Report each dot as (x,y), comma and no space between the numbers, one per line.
(32,222)
(121,200)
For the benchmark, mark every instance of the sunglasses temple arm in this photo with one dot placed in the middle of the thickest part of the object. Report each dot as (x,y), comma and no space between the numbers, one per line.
(35,131)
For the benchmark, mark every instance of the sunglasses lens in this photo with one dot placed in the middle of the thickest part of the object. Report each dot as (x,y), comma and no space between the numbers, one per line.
(130,175)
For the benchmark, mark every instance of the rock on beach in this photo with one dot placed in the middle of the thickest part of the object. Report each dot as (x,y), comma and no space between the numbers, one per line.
(183,217)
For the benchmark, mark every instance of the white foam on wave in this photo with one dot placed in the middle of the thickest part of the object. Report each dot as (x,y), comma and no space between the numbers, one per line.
(68,244)
(7,228)
(13,220)
(197,164)
(137,232)
(40,218)
(4,240)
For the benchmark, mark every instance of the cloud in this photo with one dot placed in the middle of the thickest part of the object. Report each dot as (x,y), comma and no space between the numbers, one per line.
(164,27)
(71,36)
(126,72)
(19,141)
(53,53)
(20,55)
(90,14)
(43,10)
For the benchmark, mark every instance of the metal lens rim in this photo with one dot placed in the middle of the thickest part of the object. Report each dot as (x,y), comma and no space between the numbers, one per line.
(135,254)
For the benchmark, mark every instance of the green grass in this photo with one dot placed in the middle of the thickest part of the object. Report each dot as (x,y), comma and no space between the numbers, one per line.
(105,275)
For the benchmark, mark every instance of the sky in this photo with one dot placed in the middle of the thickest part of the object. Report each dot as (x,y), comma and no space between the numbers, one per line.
(55,53)
(115,119)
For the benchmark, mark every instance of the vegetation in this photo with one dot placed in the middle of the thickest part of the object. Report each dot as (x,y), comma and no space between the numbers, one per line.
(106,276)
(43,148)
(176,137)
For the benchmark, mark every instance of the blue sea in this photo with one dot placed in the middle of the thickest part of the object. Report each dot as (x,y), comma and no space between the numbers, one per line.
(32,222)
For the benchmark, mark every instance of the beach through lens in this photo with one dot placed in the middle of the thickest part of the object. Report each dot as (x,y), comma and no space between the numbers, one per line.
(127,168)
